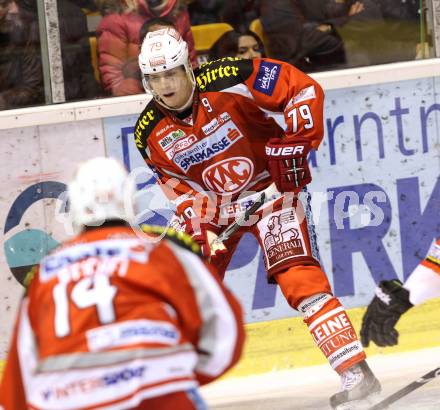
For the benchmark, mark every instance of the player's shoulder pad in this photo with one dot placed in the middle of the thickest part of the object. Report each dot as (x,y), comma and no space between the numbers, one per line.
(179,238)
(149,118)
(220,74)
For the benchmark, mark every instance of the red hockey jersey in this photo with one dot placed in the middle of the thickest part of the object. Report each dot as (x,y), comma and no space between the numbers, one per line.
(110,320)
(238,106)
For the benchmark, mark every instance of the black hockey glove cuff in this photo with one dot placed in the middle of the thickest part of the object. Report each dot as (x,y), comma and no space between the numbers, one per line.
(384,311)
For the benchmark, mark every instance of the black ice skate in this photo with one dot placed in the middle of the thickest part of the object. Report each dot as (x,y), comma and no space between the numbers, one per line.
(359,387)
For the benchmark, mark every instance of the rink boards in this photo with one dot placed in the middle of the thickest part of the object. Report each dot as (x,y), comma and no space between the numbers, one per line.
(375,182)
(286,344)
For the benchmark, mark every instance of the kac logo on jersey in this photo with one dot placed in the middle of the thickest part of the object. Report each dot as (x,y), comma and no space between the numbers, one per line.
(228,176)
(267,77)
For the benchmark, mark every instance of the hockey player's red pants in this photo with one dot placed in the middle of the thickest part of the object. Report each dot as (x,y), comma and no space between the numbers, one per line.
(286,236)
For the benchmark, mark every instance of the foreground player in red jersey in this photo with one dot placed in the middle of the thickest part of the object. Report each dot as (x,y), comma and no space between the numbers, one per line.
(213,137)
(112,321)
(393,299)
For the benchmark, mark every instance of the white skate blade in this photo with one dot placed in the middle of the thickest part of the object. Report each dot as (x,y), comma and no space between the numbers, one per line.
(363,404)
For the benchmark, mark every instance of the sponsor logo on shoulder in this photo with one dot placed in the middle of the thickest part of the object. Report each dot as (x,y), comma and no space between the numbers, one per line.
(267,77)
(143,122)
(208,75)
(170,138)
(207,148)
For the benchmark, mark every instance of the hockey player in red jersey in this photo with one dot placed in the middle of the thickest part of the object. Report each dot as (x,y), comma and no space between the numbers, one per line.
(213,137)
(393,299)
(112,321)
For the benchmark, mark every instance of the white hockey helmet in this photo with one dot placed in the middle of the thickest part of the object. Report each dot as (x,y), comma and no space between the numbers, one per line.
(101,190)
(163,50)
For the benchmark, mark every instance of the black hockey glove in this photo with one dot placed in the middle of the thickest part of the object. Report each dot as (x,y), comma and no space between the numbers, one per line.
(383,312)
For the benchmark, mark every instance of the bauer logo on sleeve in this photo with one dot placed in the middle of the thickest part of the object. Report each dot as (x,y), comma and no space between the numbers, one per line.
(267,77)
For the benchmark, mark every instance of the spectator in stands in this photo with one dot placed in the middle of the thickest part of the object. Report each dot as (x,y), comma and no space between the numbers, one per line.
(312,34)
(401,29)
(22,66)
(87,4)
(292,38)
(110,6)
(118,40)
(21,75)
(360,25)
(205,11)
(235,44)
(238,13)
(79,78)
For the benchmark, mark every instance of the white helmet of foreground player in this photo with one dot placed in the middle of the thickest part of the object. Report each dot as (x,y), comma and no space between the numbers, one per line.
(167,73)
(100,191)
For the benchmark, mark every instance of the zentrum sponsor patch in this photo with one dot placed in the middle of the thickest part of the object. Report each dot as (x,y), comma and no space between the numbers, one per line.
(205,149)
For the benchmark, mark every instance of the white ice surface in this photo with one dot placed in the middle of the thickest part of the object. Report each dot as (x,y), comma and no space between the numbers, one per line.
(309,388)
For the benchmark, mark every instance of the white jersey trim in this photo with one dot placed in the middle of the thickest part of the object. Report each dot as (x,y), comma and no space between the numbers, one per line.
(110,386)
(84,360)
(278,117)
(243,90)
(152,392)
(240,89)
(218,335)
(26,348)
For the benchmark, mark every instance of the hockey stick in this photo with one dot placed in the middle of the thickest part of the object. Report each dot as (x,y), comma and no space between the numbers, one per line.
(407,389)
(217,243)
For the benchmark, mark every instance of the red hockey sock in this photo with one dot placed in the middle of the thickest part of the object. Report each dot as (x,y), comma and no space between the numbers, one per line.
(332,331)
